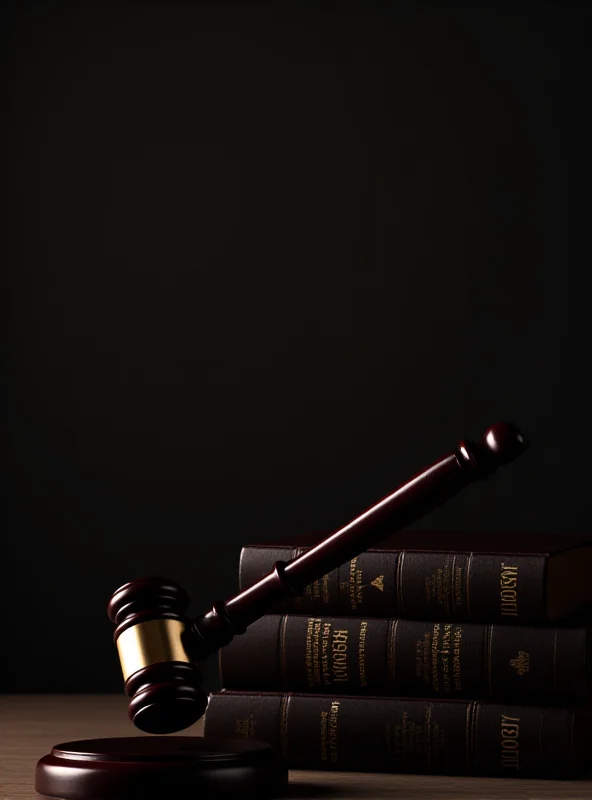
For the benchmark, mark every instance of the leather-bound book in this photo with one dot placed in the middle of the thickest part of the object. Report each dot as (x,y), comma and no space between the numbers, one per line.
(388,734)
(372,656)
(510,578)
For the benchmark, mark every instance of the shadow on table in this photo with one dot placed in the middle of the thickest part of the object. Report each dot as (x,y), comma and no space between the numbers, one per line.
(486,788)
(312,791)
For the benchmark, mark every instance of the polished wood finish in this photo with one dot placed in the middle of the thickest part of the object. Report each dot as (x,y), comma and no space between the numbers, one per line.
(419,495)
(153,767)
(166,697)
(168,687)
(31,724)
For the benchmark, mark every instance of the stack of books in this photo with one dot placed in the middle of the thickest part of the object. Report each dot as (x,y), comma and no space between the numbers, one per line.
(442,652)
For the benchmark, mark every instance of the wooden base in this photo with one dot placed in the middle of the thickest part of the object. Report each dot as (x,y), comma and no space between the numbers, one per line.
(159,766)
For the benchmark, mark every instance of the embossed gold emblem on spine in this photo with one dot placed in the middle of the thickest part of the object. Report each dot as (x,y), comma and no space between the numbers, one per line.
(151,643)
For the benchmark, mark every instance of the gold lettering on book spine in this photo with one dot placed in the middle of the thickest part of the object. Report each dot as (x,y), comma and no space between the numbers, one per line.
(439,585)
(453,583)
(339,655)
(521,663)
(509,590)
(445,652)
(458,586)
(325,666)
(324,735)
(355,586)
(434,659)
(313,651)
(244,727)
(329,731)
(308,654)
(353,596)
(456,659)
(510,742)
(326,653)
(362,653)
(333,729)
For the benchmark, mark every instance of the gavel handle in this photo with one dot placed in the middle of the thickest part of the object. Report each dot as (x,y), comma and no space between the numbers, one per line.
(409,502)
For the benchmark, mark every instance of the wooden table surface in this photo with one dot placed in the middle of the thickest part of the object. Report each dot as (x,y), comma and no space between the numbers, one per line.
(31,724)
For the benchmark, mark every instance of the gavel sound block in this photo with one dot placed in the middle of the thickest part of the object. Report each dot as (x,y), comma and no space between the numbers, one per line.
(159,649)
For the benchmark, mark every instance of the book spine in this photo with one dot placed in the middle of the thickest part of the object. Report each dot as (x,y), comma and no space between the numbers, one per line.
(441,586)
(379,734)
(356,655)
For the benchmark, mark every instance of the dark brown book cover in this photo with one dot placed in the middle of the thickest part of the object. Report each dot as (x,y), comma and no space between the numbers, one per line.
(514,579)
(368,655)
(393,734)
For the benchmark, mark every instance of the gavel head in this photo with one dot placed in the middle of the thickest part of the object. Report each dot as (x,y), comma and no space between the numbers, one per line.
(163,683)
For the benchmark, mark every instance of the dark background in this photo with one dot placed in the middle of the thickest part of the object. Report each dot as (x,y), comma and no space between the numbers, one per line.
(261,263)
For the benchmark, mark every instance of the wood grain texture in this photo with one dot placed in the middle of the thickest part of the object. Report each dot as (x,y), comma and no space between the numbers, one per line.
(31,724)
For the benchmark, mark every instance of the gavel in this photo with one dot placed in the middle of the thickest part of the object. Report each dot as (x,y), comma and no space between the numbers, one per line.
(159,649)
